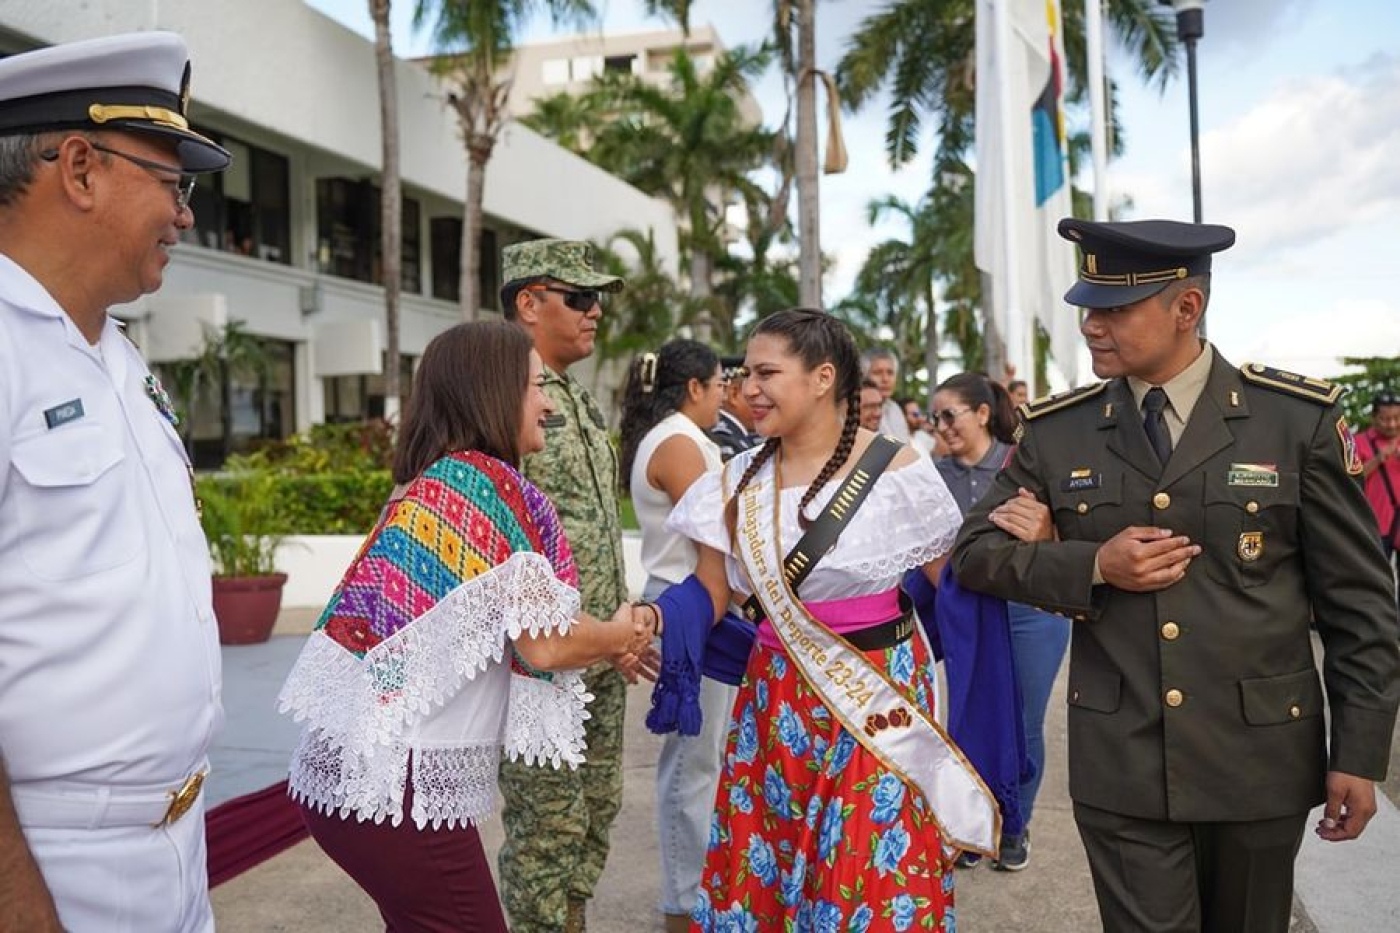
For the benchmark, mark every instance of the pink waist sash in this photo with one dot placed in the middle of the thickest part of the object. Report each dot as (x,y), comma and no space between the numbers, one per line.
(843,615)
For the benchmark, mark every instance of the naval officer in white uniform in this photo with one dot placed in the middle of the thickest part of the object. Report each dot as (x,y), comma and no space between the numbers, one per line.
(109,655)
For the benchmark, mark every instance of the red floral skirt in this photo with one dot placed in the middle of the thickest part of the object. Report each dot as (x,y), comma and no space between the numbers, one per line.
(810,831)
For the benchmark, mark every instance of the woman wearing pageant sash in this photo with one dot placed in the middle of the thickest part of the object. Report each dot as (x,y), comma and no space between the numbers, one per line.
(839,795)
(437,647)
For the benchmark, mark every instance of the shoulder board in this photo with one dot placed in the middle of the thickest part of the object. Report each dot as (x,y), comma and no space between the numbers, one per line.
(1043,406)
(1314,390)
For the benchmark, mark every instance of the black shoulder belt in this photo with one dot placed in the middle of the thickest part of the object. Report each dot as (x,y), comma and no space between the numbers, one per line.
(821,535)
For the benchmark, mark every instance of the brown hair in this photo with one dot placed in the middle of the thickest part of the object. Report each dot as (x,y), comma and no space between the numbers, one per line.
(468,394)
(814,337)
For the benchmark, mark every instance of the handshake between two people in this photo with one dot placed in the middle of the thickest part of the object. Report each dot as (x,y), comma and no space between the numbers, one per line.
(635,626)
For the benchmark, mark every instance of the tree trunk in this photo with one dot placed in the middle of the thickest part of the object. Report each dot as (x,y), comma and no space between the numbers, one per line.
(931,341)
(808,208)
(701,291)
(390,204)
(469,287)
(993,346)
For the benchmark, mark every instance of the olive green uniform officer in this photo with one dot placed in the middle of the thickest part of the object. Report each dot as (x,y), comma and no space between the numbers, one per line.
(557,820)
(1205,515)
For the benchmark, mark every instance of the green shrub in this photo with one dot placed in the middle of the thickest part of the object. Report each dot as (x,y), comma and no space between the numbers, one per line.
(237,514)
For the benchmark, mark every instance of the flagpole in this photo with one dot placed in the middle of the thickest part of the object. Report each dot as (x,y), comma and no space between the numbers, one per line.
(1093,36)
(1018,330)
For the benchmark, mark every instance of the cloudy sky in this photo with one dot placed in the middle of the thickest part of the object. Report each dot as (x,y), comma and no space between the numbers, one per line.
(1300,152)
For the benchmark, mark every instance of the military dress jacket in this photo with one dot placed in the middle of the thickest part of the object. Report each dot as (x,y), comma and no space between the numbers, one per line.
(1201,702)
(577,470)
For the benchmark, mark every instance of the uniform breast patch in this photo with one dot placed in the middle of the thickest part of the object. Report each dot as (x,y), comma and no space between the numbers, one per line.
(1081,479)
(1252,474)
(60,415)
(555,420)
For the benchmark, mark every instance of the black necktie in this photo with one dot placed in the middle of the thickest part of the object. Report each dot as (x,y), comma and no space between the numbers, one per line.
(1155,423)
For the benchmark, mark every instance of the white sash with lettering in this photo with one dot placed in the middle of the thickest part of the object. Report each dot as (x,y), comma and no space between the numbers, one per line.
(899,733)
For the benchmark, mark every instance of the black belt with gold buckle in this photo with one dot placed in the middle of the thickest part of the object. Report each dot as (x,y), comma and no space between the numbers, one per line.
(181,800)
(885,635)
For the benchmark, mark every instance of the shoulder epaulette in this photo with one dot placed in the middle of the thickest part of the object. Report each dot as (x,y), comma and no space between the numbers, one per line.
(1043,406)
(1314,390)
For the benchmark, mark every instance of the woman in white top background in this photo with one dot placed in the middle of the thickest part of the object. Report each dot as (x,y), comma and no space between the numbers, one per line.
(671,399)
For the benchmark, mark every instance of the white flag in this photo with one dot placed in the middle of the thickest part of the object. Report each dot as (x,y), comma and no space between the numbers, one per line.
(1023,184)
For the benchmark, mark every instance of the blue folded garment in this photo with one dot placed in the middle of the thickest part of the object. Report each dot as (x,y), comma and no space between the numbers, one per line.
(688,614)
(728,648)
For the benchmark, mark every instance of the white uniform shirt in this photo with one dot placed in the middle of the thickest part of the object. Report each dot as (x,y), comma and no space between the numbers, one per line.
(109,654)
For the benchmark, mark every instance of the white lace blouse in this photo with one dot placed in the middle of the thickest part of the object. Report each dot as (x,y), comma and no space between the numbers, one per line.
(440,696)
(908,520)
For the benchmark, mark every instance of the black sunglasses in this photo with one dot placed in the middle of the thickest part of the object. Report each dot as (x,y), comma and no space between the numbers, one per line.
(580,300)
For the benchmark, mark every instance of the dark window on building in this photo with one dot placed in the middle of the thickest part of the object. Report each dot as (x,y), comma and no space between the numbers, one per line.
(622,63)
(446,236)
(261,406)
(246,209)
(361,397)
(347,233)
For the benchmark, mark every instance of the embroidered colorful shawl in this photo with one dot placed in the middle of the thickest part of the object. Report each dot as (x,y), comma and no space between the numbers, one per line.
(471,558)
(466,514)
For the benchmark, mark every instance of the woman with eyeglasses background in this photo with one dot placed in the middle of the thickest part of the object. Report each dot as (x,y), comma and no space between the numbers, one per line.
(671,399)
(975,419)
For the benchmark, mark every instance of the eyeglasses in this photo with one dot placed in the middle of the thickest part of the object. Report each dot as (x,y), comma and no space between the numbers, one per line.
(947,416)
(183,185)
(580,300)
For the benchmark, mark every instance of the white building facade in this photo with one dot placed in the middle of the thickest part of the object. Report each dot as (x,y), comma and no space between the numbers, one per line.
(287,241)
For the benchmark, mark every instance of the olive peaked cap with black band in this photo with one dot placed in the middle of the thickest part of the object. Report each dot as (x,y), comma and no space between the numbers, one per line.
(135,83)
(567,261)
(1120,263)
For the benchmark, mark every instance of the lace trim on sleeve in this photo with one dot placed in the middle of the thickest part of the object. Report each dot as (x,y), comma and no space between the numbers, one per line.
(544,721)
(359,714)
(910,520)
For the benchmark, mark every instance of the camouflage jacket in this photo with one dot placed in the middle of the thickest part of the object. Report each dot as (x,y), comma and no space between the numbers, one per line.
(578,471)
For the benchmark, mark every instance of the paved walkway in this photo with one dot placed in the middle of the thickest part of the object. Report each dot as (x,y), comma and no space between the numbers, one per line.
(1348,888)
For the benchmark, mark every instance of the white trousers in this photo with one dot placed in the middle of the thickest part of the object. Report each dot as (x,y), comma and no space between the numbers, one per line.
(127,877)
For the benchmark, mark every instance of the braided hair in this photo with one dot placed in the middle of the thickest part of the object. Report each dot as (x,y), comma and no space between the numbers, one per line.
(814,337)
(975,390)
(657,385)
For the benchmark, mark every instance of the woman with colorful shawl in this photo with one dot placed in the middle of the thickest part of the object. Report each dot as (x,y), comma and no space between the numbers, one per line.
(840,795)
(455,633)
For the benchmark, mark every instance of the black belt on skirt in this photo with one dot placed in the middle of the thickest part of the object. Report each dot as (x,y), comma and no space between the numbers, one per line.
(885,635)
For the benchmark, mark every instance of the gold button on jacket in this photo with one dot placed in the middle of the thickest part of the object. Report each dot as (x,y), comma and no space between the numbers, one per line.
(1161,500)
(1174,698)
(1170,631)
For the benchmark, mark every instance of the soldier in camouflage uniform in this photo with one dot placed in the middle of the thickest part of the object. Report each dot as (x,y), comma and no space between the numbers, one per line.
(557,820)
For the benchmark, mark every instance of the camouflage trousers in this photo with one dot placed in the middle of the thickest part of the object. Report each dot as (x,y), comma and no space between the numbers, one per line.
(557,821)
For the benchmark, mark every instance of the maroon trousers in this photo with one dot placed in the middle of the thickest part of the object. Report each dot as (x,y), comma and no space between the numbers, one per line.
(423,880)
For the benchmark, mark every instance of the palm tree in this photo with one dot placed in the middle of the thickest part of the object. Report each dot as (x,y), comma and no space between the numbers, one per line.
(690,144)
(391,211)
(925,52)
(474,41)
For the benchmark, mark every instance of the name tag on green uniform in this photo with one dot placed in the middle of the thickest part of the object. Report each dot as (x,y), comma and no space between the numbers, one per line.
(1081,479)
(1252,474)
(555,420)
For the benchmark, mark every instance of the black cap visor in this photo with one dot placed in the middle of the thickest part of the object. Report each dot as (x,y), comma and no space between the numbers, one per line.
(1089,295)
(197,154)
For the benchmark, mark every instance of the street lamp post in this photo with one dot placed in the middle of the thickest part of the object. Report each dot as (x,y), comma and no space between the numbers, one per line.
(1190,26)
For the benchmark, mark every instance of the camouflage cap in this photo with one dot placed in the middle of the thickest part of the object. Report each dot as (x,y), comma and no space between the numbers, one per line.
(567,261)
